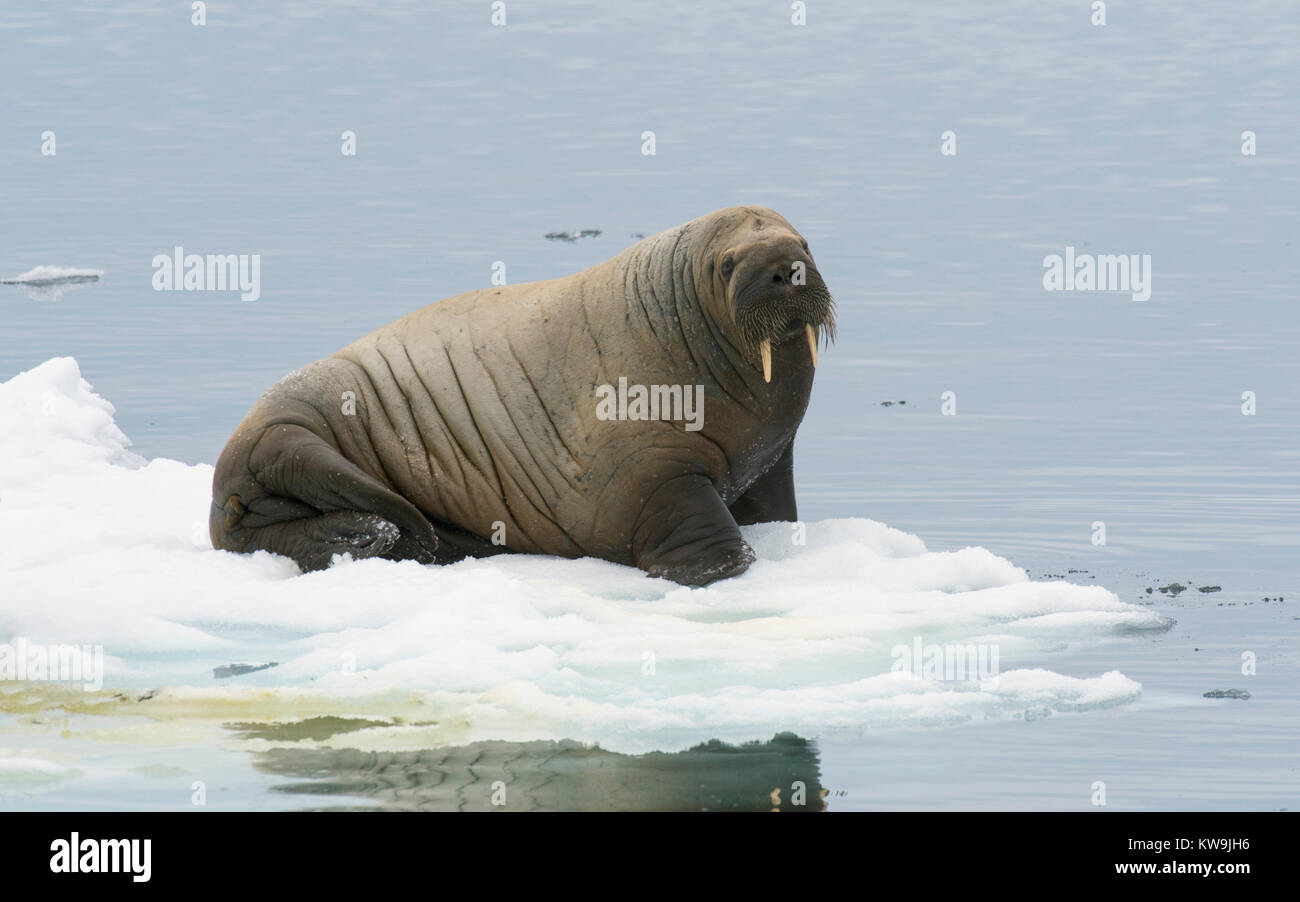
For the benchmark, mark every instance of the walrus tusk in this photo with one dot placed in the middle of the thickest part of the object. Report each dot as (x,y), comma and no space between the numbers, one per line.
(766,350)
(812,341)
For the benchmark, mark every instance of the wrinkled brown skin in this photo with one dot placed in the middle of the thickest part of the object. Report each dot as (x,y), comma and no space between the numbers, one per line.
(481,409)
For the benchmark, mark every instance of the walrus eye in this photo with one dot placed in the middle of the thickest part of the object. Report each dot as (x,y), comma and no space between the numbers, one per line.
(728,267)
(805,247)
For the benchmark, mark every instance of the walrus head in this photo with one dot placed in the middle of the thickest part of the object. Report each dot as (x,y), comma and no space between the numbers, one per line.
(768,284)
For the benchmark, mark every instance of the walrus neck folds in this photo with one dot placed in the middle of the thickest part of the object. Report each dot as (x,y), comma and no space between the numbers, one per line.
(681,317)
(725,329)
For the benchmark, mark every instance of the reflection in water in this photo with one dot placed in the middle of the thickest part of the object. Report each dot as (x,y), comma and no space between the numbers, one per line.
(782,773)
(53,289)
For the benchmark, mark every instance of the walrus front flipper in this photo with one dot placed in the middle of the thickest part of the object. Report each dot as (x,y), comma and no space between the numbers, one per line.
(771,497)
(686,534)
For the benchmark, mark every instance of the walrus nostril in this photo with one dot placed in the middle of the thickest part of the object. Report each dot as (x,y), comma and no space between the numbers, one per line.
(781,274)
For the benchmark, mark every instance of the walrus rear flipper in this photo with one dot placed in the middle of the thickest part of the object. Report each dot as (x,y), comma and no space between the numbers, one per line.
(312,542)
(308,502)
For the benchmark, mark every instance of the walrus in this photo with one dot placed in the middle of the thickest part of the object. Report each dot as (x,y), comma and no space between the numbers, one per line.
(488,422)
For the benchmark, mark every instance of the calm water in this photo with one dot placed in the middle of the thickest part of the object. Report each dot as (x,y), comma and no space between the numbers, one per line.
(473,141)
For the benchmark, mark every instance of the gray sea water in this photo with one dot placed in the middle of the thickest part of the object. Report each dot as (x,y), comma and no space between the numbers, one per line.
(473,141)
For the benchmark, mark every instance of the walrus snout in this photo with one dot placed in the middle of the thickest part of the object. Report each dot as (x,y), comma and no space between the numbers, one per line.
(778,294)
